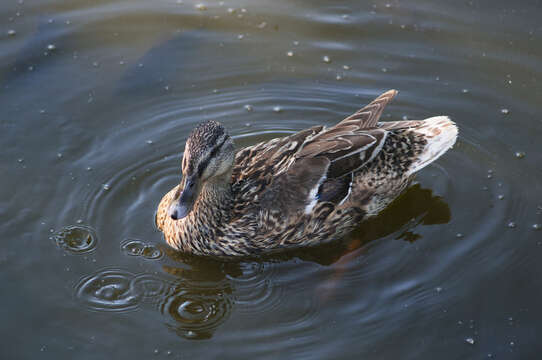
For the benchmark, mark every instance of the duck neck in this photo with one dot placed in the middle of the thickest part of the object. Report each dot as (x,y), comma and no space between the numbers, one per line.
(214,201)
(206,221)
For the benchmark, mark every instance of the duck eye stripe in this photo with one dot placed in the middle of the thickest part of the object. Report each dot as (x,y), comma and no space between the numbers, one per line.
(203,164)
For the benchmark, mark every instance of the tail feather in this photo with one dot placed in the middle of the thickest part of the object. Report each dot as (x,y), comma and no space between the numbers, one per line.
(440,133)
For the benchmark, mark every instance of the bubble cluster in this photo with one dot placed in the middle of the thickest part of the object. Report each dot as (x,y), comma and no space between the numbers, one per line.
(134,247)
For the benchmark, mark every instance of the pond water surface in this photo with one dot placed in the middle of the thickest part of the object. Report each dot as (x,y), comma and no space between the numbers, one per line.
(97,99)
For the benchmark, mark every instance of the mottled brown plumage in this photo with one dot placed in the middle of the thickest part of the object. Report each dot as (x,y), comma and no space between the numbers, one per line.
(302,190)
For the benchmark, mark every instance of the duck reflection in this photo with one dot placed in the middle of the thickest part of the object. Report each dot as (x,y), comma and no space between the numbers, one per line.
(201,297)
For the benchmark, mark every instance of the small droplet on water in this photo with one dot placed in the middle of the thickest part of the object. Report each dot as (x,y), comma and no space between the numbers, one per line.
(504,111)
(511,225)
(59,155)
(240,36)
(459,235)
(465,91)
(384,70)
(277,109)
(438,289)
(51,47)
(12,32)
(248,107)
(536,226)
(201,7)
(149,142)
(326,59)
(500,197)
(339,77)
(470,341)
(290,53)
(20,160)
(520,154)
(346,67)
(106,187)
(295,42)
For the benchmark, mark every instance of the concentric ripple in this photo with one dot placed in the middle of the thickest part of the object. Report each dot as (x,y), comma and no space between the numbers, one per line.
(196,313)
(119,290)
(109,290)
(76,239)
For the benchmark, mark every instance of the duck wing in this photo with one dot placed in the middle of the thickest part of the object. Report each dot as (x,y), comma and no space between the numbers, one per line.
(326,161)
(353,142)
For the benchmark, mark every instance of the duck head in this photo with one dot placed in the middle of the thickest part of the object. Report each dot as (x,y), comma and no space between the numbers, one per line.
(208,159)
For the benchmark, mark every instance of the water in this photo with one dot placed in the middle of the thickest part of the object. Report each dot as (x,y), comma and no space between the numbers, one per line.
(98,97)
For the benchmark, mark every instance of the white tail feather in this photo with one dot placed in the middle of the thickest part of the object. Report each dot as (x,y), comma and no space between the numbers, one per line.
(440,133)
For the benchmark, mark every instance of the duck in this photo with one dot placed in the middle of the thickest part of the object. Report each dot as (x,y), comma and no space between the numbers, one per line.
(302,190)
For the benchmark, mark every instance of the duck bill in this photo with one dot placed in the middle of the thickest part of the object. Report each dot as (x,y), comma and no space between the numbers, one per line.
(182,206)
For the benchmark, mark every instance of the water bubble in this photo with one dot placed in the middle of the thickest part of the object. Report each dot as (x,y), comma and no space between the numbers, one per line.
(77,239)
(459,235)
(384,69)
(520,154)
(346,67)
(20,160)
(108,290)
(277,109)
(290,53)
(59,155)
(106,187)
(511,225)
(51,47)
(240,36)
(326,59)
(470,340)
(248,107)
(12,32)
(500,197)
(339,77)
(504,111)
(261,25)
(134,247)
(121,62)
(201,7)
(149,142)
(465,91)
(295,42)
(536,226)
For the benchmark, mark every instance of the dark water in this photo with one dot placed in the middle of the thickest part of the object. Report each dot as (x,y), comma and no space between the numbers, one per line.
(98,97)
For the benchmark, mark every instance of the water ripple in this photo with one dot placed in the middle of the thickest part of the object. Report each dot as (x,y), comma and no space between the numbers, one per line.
(196,312)
(109,290)
(76,239)
(134,247)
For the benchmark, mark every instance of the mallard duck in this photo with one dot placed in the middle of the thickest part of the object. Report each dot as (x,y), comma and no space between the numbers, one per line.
(301,190)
